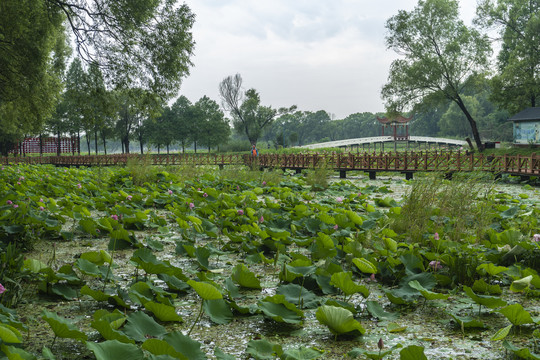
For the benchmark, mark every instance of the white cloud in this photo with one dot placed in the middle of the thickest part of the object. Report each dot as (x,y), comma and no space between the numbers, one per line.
(318,54)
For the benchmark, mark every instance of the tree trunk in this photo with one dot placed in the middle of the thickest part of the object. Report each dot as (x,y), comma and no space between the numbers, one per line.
(96,140)
(58,143)
(88,144)
(474,128)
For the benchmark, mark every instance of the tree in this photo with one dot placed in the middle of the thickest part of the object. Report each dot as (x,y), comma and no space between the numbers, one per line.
(182,117)
(76,98)
(32,62)
(249,117)
(213,128)
(145,44)
(440,56)
(517,84)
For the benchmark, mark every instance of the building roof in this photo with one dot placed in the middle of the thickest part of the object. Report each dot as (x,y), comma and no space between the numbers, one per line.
(397,119)
(532,113)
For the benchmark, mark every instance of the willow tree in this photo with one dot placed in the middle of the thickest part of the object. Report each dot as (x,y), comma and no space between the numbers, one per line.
(439,55)
(249,117)
(517,82)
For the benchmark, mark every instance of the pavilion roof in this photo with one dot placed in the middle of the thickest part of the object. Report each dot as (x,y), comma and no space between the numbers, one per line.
(398,119)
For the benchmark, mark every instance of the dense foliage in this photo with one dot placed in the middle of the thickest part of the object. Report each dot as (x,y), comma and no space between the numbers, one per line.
(164,249)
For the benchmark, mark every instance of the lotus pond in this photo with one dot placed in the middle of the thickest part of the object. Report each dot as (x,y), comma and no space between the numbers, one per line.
(197,263)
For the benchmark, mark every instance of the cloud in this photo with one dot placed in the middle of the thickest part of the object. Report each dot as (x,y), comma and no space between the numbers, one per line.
(317,54)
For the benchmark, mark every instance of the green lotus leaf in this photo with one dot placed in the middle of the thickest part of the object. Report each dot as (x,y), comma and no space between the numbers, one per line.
(9,334)
(114,350)
(466,321)
(177,345)
(491,302)
(162,311)
(106,330)
(140,325)
(245,278)
(97,295)
(302,353)
(218,310)
(61,327)
(97,257)
(429,295)
(395,328)
(490,269)
(521,284)
(280,310)
(412,352)
(64,290)
(88,268)
(344,282)
(338,320)
(115,318)
(205,291)
(299,295)
(375,355)
(220,355)
(501,333)
(522,353)
(202,254)
(263,350)
(376,310)
(365,266)
(516,314)
(482,287)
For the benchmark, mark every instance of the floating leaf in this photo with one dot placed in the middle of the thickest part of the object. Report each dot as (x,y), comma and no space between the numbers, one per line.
(338,320)
(299,295)
(375,355)
(466,321)
(376,310)
(482,287)
(521,284)
(139,326)
(114,350)
(412,352)
(302,353)
(490,269)
(263,349)
(108,333)
(395,328)
(218,310)
(523,353)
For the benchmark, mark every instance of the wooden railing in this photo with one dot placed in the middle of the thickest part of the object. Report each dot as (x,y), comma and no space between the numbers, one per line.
(372,162)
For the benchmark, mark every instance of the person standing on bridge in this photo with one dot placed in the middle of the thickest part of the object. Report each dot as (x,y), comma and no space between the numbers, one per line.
(254,151)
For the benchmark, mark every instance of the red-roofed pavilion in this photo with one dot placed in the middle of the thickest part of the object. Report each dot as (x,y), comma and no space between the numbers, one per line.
(399,127)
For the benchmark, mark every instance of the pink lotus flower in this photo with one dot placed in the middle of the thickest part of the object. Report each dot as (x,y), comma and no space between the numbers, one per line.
(2,289)
(169,191)
(21,178)
(191,205)
(336,227)
(237,187)
(372,277)
(436,236)
(98,231)
(263,183)
(129,197)
(79,186)
(205,195)
(359,193)
(9,202)
(339,199)
(536,238)
(115,217)
(261,219)
(41,200)
(15,206)
(41,208)
(18,183)
(435,265)
(240,212)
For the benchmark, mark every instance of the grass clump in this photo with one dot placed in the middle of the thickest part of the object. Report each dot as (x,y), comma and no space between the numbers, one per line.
(457,208)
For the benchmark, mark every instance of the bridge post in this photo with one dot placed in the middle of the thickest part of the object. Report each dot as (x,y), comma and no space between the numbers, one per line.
(342,174)
(408,175)
(297,171)
(372,175)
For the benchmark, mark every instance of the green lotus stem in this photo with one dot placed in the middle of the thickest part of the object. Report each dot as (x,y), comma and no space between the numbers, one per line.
(196,320)
(110,265)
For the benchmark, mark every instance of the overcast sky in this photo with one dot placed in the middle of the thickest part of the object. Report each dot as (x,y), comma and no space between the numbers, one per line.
(317,54)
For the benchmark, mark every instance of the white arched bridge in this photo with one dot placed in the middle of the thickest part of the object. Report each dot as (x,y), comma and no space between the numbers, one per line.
(385,139)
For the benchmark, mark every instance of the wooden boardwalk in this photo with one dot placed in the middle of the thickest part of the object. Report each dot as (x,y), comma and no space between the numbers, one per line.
(404,162)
